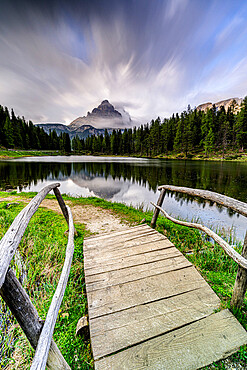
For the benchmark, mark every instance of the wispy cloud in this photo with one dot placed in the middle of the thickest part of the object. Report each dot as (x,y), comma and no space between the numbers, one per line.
(60,59)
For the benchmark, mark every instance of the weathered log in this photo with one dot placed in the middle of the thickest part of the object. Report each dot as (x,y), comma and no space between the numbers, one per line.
(157,211)
(12,238)
(62,204)
(27,316)
(41,354)
(241,261)
(223,200)
(82,327)
(240,285)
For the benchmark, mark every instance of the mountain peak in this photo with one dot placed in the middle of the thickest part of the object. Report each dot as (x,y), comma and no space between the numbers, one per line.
(105,115)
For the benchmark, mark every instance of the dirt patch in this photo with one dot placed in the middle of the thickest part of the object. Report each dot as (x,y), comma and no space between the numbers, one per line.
(96,219)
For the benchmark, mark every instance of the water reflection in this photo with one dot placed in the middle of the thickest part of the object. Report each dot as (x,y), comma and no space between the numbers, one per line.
(134,181)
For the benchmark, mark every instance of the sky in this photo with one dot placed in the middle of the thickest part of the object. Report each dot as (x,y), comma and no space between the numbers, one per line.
(59,59)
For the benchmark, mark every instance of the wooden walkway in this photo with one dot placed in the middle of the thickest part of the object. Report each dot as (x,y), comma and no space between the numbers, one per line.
(149,308)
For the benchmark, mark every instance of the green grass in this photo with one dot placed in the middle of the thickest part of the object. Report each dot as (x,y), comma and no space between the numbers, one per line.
(230,155)
(43,250)
(44,255)
(16,153)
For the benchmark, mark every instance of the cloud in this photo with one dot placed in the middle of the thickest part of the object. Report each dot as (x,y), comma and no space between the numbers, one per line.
(60,59)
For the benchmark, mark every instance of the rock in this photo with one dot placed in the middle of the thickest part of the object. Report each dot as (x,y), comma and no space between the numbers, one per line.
(236,102)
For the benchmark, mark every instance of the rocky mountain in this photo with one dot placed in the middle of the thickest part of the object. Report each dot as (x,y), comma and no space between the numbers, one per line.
(226,103)
(104,116)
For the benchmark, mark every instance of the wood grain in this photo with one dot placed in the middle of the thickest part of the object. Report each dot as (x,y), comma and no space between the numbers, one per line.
(111,333)
(117,240)
(190,347)
(95,238)
(122,296)
(132,260)
(124,275)
(129,249)
(147,305)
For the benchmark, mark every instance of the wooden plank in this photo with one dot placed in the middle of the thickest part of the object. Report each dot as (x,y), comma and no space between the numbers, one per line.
(122,296)
(114,332)
(106,243)
(133,260)
(102,236)
(102,250)
(130,250)
(12,238)
(42,350)
(132,273)
(190,347)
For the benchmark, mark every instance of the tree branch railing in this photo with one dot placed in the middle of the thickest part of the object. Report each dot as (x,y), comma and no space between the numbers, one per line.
(38,333)
(240,285)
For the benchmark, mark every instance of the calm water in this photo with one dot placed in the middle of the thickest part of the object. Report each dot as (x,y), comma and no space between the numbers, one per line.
(135,181)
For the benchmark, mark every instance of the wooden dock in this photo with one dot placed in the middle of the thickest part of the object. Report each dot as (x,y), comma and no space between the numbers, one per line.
(149,308)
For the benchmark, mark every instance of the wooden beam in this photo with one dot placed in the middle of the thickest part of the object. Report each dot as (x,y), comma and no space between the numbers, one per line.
(223,200)
(41,354)
(156,210)
(62,204)
(27,316)
(240,285)
(12,238)
(241,261)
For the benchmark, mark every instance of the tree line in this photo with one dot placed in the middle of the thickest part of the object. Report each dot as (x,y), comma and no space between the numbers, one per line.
(16,133)
(193,130)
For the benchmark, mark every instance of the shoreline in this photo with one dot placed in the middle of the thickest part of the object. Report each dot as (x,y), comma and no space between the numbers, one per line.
(229,156)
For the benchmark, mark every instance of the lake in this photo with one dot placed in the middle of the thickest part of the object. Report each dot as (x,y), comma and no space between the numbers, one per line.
(134,181)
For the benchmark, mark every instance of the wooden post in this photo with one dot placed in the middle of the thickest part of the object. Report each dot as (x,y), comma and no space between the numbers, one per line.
(157,211)
(240,285)
(62,204)
(27,316)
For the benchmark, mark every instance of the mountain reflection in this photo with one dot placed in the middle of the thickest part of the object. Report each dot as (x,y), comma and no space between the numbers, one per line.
(135,181)
(226,178)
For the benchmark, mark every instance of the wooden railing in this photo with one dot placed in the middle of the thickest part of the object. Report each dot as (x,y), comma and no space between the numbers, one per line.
(38,333)
(240,285)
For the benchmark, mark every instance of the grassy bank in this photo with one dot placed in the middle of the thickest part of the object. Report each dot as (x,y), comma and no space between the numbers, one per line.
(43,249)
(214,156)
(15,153)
